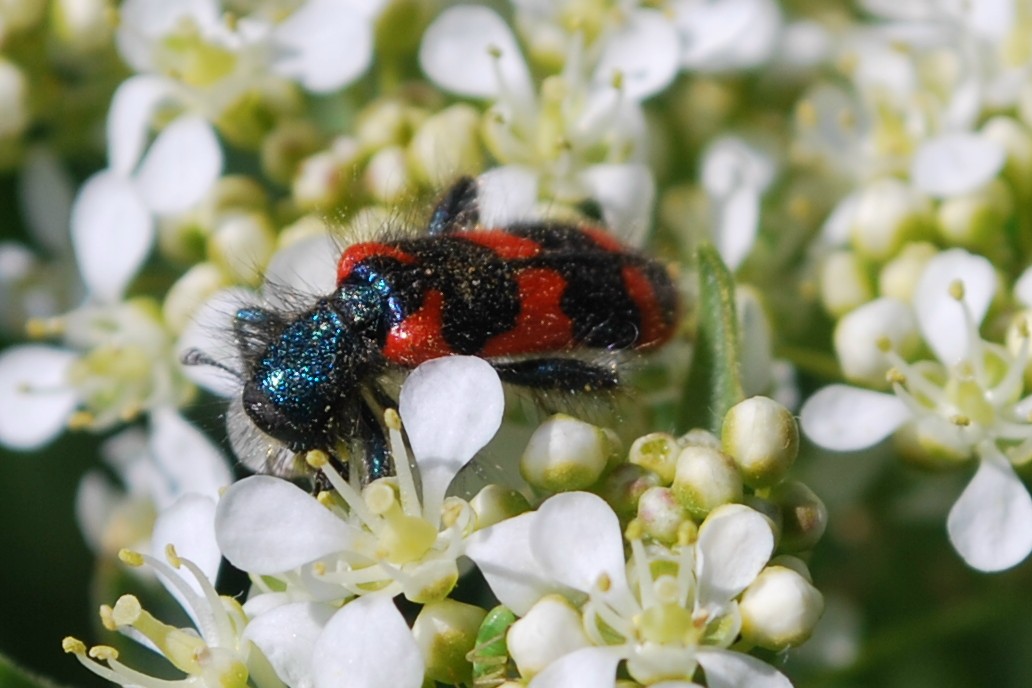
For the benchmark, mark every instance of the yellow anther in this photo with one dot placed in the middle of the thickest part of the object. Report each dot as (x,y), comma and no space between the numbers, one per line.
(884,344)
(956,289)
(325,498)
(618,80)
(104,653)
(380,497)
(107,618)
(127,610)
(960,420)
(81,420)
(494,51)
(635,530)
(73,645)
(130,557)
(687,533)
(391,419)
(172,556)
(319,568)
(317,458)
(806,113)
(895,377)
(604,583)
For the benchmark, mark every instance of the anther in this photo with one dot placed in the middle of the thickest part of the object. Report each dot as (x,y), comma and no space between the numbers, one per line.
(960,420)
(956,290)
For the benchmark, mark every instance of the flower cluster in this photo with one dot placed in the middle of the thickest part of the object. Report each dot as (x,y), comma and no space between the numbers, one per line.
(840,193)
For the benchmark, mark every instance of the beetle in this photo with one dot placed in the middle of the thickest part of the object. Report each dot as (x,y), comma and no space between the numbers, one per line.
(540,301)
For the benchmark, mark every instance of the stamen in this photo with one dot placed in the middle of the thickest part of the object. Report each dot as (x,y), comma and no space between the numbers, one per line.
(406,483)
(646,590)
(348,493)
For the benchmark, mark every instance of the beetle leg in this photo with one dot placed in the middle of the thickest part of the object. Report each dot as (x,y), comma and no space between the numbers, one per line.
(457,211)
(559,374)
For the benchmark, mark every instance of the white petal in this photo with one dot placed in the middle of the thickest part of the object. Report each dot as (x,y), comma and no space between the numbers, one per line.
(506,195)
(35,397)
(643,51)
(287,635)
(95,500)
(210,331)
(991,524)
(144,23)
(456,54)
(736,224)
(367,645)
(1023,288)
(187,459)
(326,44)
(129,119)
(189,526)
(576,538)
(450,407)
(727,669)
(939,315)
(112,232)
(503,554)
(725,35)
(843,418)
(735,543)
(181,166)
(45,192)
(589,667)
(266,525)
(956,163)
(626,194)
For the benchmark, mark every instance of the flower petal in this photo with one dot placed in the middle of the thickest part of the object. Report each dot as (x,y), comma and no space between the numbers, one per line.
(129,119)
(576,538)
(189,526)
(450,407)
(506,195)
(209,331)
(181,166)
(466,49)
(286,635)
(306,266)
(187,460)
(956,163)
(367,644)
(35,397)
(503,554)
(989,524)
(108,213)
(326,45)
(265,525)
(939,315)
(735,543)
(727,669)
(641,53)
(728,34)
(588,667)
(844,418)
(626,194)
(45,192)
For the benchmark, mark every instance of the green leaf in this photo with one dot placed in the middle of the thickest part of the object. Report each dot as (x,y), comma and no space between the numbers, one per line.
(13,676)
(490,657)
(714,382)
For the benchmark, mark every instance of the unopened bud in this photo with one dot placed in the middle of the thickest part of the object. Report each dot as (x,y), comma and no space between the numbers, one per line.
(661,514)
(779,609)
(844,284)
(550,630)
(803,516)
(889,213)
(496,503)
(863,335)
(445,632)
(762,437)
(657,452)
(566,454)
(624,487)
(705,479)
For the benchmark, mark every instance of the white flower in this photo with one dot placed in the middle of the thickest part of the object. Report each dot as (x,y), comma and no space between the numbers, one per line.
(664,613)
(967,404)
(581,136)
(726,35)
(213,655)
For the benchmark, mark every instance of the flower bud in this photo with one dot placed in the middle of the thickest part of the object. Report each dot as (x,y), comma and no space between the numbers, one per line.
(323,179)
(973,220)
(864,336)
(698,437)
(286,146)
(1019,332)
(705,479)
(844,284)
(551,629)
(447,145)
(661,514)
(780,609)
(189,292)
(445,632)
(387,123)
(566,454)
(1017,143)
(898,278)
(14,107)
(803,516)
(763,438)
(82,25)
(624,487)
(241,246)
(386,176)
(888,214)
(657,452)
(755,341)
(496,503)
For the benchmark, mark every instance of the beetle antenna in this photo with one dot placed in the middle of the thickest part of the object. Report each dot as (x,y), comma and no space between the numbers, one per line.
(193,357)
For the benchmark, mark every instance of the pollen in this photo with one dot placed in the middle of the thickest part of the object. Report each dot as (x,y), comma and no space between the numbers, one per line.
(73,645)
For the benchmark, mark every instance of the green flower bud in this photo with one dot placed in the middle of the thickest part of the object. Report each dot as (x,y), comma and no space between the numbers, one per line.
(898,278)
(661,514)
(323,179)
(844,283)
(973,220)
(889,213)
(387,123)
(286,146)
(241,246)
(780,609)
(1017,142)
(705,479)
(84,26)
(14,106)
(763,438)
(496,503)
(446,631)
(803,516)
(624,487)
(566,454)
(447,145)
(657,452)
(191,290)
(386,176)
